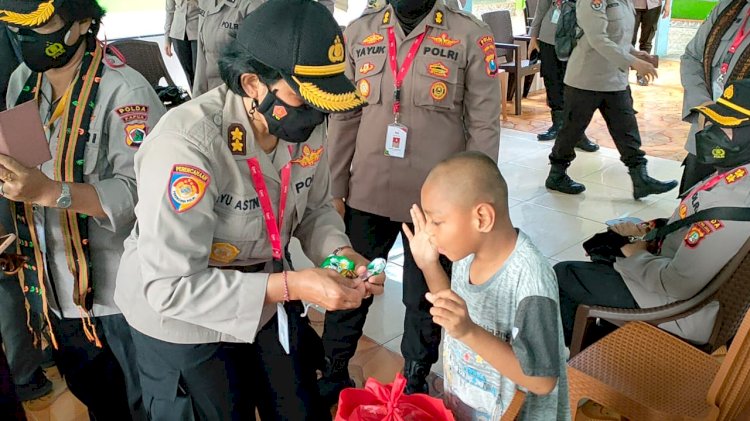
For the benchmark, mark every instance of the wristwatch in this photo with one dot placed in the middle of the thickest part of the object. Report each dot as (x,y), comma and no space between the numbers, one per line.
(64,201)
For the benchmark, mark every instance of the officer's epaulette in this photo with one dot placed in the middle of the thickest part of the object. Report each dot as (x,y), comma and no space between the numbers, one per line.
(468,15)
(371,9)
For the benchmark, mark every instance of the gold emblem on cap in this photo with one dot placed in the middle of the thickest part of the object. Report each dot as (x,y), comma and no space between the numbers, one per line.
(729,92)
(42,14)
(336,51)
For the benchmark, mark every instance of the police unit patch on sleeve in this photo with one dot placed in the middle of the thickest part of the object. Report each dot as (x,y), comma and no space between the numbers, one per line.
(701,230)
(135,133)
(487,44)
(132,112)
(309,157)
(187,186)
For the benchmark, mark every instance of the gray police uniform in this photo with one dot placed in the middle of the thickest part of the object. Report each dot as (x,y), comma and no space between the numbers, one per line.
(700,68)
(181,29)
(193,271)
(597,78)
(217,25)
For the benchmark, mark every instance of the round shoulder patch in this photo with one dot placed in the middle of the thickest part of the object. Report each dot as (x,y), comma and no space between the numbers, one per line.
(187,186)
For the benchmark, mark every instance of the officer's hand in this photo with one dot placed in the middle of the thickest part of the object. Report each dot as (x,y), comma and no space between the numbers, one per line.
(421,241)
(533,45)
(22,184)
(645,69)
(330,290)
(339,205)
(374,285)
(666,9)
(168,47)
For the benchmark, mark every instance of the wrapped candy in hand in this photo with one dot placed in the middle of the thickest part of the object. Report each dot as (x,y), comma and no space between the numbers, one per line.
(340,264)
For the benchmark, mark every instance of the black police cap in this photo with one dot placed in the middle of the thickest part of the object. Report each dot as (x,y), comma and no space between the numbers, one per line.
(733,108)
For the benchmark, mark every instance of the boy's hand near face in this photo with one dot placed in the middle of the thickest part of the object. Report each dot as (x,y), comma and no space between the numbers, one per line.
(420,241)
(450,312)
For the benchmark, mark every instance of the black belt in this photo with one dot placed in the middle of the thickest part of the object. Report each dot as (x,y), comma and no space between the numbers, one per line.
(258,267)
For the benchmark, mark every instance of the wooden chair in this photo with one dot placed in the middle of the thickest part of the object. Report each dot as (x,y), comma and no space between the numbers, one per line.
(145,57)
(645,374)
(529,9)
(730,287)
(511,55)
(515,407)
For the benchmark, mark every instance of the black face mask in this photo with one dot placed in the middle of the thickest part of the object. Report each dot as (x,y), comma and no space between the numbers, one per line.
(713,147)
(411,12)
(293,124)
(42,52)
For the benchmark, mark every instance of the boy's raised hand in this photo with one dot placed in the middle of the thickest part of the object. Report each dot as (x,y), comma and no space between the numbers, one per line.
(449,311)
(420,241)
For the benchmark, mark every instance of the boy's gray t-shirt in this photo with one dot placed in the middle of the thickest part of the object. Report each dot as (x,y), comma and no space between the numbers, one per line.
(519,305)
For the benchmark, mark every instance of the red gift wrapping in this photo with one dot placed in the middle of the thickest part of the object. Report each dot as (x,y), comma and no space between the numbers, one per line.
(379,402)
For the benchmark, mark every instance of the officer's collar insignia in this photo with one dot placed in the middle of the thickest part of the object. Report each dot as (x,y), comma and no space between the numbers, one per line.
(439,17)
(336,51)
(387,17)
(224,252)
(597,4)
(372,39)
(444,40)
(309,156)
(31,19)
(236,139)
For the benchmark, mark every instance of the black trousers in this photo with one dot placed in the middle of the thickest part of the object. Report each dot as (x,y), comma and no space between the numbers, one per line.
(93,374)
(10,406)
(648,20)
(591,284)
(553,73)
(617,110)
(373,236)
(693,172)
(228,381)
(187,53)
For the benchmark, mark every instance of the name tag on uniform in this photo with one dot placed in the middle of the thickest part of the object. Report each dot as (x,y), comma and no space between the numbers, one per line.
(395,140)
(555,16)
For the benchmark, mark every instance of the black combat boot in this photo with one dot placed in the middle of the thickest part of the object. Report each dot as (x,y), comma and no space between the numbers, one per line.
(643,185)
(416,377)
(558,180)
(586,145)
(551,133)
(335,379)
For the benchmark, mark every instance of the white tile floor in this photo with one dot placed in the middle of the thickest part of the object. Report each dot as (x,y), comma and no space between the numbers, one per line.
(557,223)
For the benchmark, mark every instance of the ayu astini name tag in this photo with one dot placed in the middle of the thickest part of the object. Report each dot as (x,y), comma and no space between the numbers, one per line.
(395,140)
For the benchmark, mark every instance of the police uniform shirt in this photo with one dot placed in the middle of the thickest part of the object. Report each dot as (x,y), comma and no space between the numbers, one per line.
(198,210)
(182,19)
(601,59)
(692,256)
(697,92)
(449,103)
(127,108)
(543,27)
(217,25)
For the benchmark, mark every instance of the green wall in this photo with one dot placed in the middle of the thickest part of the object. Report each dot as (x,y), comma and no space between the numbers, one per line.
(131,5)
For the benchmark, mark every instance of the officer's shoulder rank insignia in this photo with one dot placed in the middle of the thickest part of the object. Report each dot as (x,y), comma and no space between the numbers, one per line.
(187,186)
(135,133)
(309,156)
(236,135)
(372,39)
(439,17)
(444,40)
(736,175)
(387,17)
(597,5)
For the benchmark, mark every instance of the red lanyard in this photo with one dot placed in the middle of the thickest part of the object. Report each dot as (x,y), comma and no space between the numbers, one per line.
(738,39)
(399,75)
(274,228)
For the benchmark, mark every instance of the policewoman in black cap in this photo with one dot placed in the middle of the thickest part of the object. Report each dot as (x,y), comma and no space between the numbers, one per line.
(688,258)
(73,212)
(224,182)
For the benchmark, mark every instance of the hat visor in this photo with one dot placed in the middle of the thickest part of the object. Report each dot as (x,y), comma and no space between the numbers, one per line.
(333,94)
(725,114)
(28,16)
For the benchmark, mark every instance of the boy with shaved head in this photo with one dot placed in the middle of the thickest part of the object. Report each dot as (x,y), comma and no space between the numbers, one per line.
(500,309)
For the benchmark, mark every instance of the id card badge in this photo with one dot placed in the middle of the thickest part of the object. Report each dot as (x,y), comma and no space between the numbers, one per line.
(395,140)
(555,16)
(283,321)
